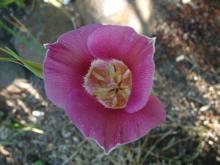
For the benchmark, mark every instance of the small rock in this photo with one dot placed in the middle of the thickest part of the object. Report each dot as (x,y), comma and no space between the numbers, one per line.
(204,108)
(65,133)
(180,58)
(13,89)
(75,139)
(38,113)
(185,36)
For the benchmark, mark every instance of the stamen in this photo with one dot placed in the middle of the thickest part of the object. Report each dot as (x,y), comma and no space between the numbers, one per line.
(110,82)
(99,77)
(126,74)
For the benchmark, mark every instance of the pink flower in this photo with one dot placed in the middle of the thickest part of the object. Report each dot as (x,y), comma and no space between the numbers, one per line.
(102,77)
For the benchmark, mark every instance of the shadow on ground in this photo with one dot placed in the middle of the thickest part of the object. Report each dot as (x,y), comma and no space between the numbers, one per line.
(187,80)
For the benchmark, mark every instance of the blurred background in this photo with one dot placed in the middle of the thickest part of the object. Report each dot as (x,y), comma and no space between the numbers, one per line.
(35,132)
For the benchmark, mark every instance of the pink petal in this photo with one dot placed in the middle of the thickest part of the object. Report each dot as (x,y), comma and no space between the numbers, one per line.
(136,51)
(142,82)
(66,63)
(110,128)
(76,40)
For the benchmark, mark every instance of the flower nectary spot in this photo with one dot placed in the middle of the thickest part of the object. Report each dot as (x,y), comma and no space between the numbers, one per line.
(110,82)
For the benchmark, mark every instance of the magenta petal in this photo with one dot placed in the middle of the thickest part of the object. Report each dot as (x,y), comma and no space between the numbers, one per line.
(66,62)
(136,51)
(142,82)
(110,128)
(111,41)
(76,40)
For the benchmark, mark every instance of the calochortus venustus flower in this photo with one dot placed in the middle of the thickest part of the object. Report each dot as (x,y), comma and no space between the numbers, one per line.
(102,76)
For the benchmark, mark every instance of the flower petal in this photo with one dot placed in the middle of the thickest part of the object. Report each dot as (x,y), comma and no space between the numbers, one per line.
(136,51)
(66,63)
(110,128)
(142,82)
(76,40)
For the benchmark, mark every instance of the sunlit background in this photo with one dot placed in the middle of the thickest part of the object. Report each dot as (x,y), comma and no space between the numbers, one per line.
(187,80)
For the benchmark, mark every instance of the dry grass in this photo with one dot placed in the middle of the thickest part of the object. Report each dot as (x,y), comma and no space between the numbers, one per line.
(33,131)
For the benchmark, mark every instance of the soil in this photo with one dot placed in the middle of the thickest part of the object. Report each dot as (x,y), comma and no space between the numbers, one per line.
(187,80)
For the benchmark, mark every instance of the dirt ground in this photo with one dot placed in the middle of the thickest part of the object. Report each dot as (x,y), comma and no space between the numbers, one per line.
(187,80)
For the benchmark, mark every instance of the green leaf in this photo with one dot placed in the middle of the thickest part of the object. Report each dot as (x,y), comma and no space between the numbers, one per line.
(30,41)
(11,53)
(39,162)
(5,3)
(34,67)
(5,59)
(154,92)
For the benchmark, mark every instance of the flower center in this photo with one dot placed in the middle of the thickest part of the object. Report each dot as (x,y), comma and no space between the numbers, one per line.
(110,82)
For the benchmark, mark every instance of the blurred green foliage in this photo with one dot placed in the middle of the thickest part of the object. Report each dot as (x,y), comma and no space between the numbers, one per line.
(30,41)
(35,68)
(39,162)
(5,3)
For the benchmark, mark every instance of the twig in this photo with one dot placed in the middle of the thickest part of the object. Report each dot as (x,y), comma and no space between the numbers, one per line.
(75,153)
(155,144)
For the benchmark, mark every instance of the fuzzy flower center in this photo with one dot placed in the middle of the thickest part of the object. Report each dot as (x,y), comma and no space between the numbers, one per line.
(110,82)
